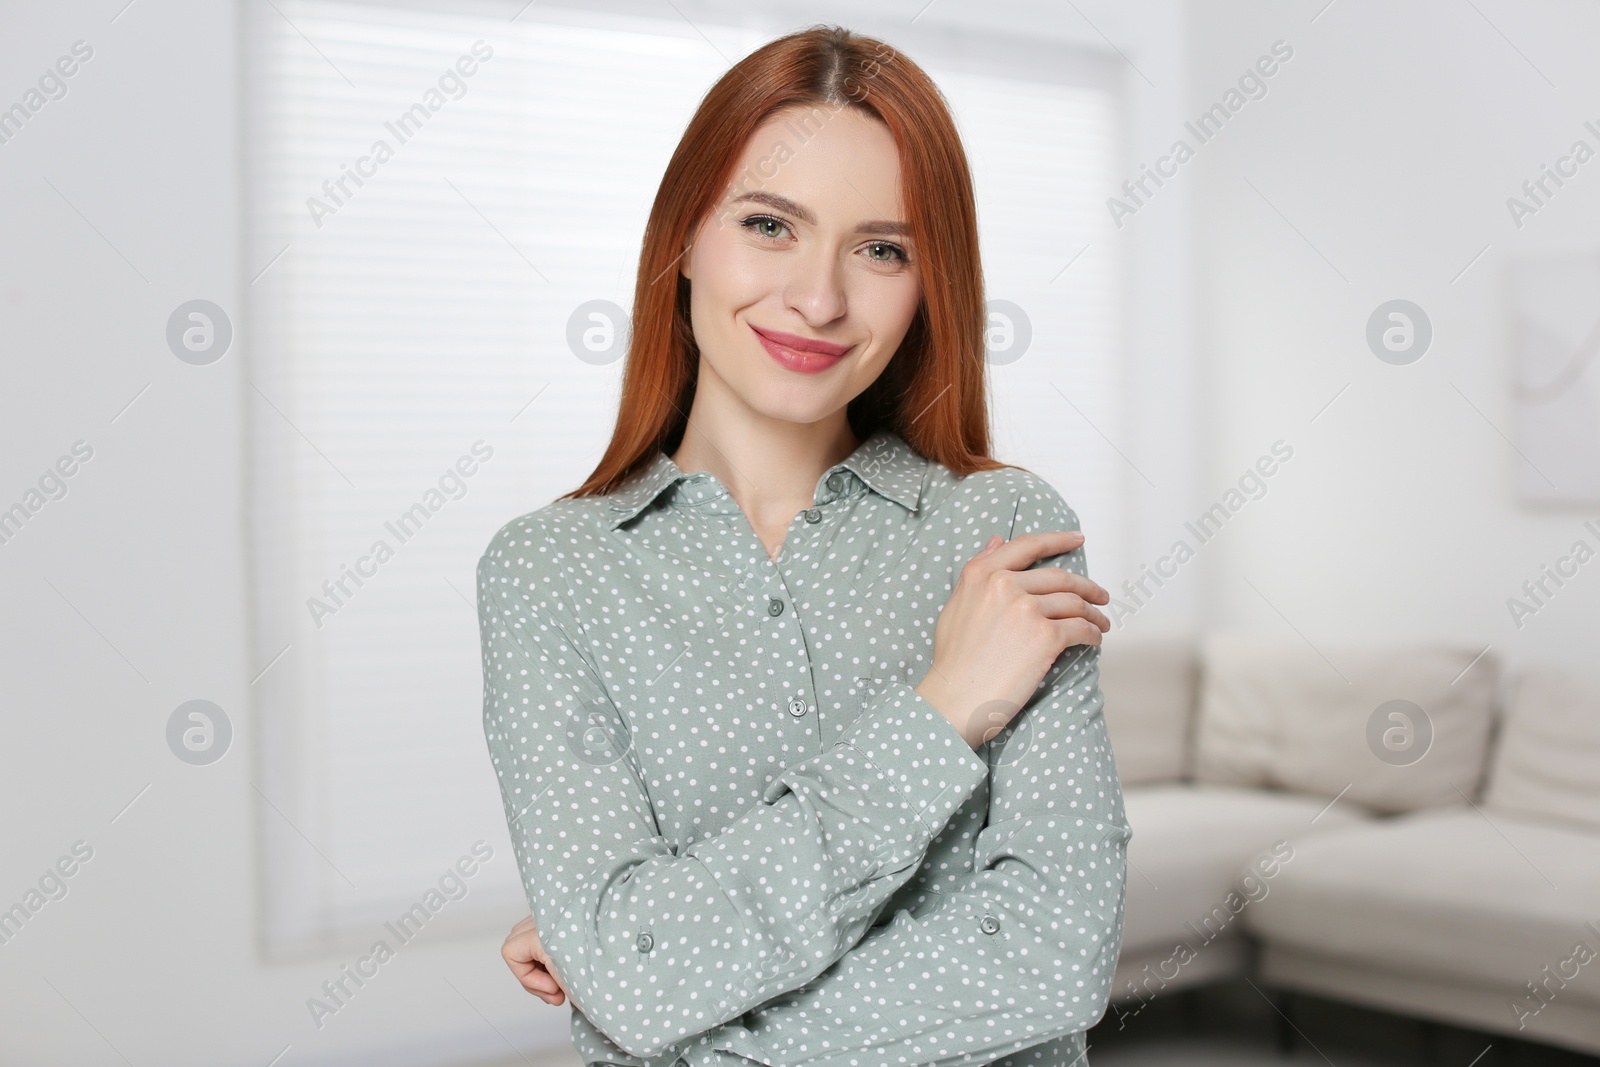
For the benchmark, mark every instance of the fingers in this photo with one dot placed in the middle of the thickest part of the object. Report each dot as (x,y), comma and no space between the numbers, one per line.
(525,956)
(518,949)
(541,982)
(518,938)
(550,994)
(1073,606)
(1077,631)
(1042,580)
(522,951)
(1024,550)
(523,971)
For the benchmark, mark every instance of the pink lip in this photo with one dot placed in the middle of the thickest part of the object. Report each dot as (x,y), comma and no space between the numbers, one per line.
(801,354)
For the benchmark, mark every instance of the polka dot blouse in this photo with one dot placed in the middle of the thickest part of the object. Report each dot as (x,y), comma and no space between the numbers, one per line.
(744,837)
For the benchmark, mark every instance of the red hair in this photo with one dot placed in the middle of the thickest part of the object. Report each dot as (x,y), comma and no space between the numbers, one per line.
(933,391)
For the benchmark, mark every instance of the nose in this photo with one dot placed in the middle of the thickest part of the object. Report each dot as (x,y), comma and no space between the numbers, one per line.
(816,287)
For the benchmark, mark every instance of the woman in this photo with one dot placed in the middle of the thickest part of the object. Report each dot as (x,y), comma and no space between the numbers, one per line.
(786,665)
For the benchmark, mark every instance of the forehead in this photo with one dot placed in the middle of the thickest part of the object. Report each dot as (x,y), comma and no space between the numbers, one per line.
(829,159)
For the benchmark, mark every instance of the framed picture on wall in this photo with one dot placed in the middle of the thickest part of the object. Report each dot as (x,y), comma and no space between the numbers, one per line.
(1555,307)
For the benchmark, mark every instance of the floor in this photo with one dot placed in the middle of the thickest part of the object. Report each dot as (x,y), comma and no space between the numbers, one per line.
(1231,1024)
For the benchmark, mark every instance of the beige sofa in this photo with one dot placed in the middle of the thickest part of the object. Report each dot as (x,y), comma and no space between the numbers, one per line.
(1385,825)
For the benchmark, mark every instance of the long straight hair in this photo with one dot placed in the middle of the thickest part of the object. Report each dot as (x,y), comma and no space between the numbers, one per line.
(933,390)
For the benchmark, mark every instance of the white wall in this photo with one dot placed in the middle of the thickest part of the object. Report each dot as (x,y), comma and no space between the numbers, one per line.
(127,597)
(1390,142)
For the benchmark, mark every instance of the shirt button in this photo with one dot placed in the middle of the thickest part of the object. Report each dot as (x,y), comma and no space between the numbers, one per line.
(797,707)
(813,515)
(645,943)
(774,606)
(835,482)
(989,924)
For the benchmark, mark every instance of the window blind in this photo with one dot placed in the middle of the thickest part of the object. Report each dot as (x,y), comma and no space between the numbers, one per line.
(411,386)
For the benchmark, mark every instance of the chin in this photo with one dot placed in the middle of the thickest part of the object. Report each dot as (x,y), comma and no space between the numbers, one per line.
(800,403)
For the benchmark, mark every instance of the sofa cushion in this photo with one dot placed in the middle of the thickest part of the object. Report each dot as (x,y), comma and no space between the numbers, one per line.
(1149,685)
(1547,760)
(1278,712)
(1449,894)
(1190,847)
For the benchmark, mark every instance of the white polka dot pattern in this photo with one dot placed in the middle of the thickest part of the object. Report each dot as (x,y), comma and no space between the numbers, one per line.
(743,835)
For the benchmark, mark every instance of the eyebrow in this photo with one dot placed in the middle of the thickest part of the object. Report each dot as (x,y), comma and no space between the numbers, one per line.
(880,227)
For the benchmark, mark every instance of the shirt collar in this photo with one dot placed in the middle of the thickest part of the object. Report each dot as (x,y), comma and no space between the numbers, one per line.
(884,462)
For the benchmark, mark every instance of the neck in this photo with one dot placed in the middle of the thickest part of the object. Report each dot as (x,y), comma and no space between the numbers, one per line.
(770,466)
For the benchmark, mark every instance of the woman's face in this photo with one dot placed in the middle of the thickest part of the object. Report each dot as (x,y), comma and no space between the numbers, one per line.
(810,241)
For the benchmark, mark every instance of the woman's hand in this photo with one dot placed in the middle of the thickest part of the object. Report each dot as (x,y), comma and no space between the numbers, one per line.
(1003,627)
(527,959)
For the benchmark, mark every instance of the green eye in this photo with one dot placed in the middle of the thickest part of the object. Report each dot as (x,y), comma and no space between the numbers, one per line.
(754,222)
(899,252)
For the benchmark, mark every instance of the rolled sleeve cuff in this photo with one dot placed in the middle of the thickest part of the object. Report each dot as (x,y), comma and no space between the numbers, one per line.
(918,749)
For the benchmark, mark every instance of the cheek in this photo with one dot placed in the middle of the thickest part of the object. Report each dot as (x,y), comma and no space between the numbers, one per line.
(729,276)
(906,306)
(892,310)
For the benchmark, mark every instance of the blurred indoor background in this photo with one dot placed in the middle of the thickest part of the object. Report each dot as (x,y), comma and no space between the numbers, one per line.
(1339,346)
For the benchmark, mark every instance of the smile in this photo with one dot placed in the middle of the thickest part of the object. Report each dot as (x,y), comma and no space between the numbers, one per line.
(800,353)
